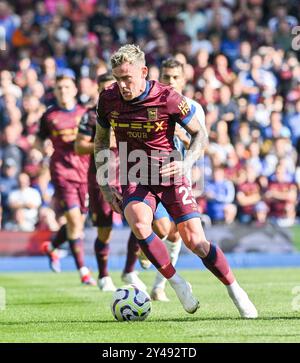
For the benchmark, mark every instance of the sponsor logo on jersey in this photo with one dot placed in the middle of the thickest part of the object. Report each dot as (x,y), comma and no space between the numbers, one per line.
(184,107)
(146,126)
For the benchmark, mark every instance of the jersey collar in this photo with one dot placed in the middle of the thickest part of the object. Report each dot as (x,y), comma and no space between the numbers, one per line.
(144,94)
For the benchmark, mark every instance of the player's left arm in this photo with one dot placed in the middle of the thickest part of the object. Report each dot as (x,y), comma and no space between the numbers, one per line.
(191,117)
(198,143)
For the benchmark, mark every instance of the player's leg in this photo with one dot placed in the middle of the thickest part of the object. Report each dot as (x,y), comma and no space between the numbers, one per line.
(76,203)
(173,244)
(214,259)
(50,248)
(101,247)
(139,217)
(102,218)
(129,275)
(75,223)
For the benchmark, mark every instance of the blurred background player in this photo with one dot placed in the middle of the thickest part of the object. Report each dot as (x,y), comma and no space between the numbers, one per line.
(101,211)
(68,172)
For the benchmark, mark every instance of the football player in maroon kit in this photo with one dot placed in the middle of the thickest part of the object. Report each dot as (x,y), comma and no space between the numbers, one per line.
(101,211)
(143,115)
(68,172)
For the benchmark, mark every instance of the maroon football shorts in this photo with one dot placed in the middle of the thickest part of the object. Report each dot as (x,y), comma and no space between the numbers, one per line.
(101,212)
(177,198)
(69,194)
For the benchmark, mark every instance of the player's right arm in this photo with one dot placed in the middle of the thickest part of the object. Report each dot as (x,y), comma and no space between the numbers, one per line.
(83,144)
(101,155)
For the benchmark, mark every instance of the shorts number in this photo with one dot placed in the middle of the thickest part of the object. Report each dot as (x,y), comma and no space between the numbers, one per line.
(187,197)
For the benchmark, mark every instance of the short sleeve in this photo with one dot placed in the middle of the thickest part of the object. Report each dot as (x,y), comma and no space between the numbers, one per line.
(85,124)
(178,108)
(100,111)
(43,132)
(200,115)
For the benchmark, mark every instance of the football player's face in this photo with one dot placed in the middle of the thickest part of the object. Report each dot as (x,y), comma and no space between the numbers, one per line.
(65,91)
(131,79)
(173,77)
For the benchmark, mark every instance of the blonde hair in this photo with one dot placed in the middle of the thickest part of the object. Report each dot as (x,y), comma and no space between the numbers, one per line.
(128,53)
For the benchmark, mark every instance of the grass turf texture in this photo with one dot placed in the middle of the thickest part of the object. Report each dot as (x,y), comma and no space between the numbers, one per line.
(46,307)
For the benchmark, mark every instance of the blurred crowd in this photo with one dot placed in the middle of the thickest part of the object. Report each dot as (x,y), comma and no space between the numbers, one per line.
(241,64)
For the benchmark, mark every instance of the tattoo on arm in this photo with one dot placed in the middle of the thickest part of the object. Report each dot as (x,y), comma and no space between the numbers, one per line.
(199,141)
(101,155)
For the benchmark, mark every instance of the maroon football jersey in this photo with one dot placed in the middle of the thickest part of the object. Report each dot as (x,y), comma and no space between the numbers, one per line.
(248,189)
(278,208)
(61,127)
(146,123)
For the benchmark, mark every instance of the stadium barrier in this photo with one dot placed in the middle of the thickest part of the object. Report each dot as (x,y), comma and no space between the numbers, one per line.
(236,238)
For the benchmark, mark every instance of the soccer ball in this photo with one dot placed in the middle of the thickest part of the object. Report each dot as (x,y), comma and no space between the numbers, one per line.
(130,304)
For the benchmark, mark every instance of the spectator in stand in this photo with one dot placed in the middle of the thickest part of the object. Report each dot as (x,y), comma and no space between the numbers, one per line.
(222,145)
(243,60)
(48,73)
(222,71)
(202,57)
(201,43)
(220,196)
(293,123)
(283,37)
(33,110)
(218,13)
(230,46)
(248,195)
(45,188)
(261,214)
(193,19)
(9,111)
(140,21)
(9,146)
(8,182)
(7,86)
(228,110)
(281,198)
(7,20)
(281,15)
(276,128)
(24,203)
(254,157)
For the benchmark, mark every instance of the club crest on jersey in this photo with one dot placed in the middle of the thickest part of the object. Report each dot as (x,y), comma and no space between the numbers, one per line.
(152,114)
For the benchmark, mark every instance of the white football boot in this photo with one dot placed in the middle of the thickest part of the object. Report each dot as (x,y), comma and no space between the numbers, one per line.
(106,284)
(241,300)
(183,290)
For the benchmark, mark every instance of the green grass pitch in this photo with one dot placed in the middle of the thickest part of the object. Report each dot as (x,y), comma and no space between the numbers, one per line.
(46,307)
